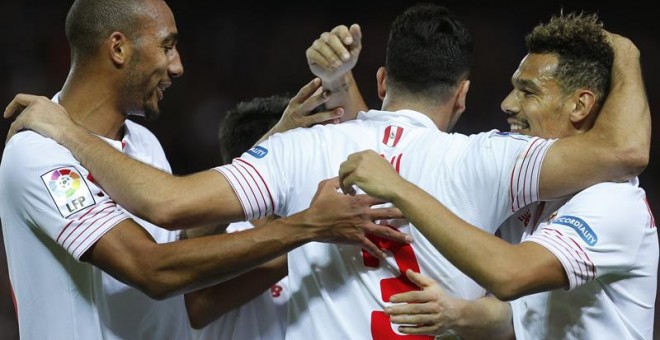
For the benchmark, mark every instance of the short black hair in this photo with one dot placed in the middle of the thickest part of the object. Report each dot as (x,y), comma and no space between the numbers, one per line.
(243,125)
(428,53)
(89,22)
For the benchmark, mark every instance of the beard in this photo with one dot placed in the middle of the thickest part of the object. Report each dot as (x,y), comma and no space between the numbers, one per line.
(139,102)
(139,94)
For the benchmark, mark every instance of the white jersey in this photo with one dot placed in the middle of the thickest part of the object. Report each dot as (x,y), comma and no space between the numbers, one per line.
(339,291)
(52,212)
(606,239)
(264,317)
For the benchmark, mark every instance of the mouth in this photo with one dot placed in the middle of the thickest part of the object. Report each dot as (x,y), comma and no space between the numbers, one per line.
(160,90)
(517,126)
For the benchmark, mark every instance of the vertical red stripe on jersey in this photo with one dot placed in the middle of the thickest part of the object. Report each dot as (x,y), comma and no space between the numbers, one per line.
(392,135)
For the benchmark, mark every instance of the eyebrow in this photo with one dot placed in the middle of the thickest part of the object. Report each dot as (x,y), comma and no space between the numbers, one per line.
(526,83)
(171,38)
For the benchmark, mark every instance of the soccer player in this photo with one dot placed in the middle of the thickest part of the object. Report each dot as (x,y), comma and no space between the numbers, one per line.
(231,310)
(340,291)
(587,264)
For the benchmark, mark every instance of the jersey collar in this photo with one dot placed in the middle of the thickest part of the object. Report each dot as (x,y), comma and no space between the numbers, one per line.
(410,116)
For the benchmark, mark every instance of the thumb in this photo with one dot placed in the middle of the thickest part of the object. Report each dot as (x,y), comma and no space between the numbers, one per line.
(356,32)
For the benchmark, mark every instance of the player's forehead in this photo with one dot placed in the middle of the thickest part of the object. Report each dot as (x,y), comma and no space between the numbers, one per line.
(536,71)
(158,22)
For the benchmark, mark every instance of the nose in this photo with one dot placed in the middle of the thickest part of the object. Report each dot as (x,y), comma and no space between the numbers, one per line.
(175,67)
(510,104)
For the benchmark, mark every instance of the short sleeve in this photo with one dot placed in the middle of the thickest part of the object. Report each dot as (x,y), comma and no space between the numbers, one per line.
(261,177)
(54,193)
(597,232)
(500,172)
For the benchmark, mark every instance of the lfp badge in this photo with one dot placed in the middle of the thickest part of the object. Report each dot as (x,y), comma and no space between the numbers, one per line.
(69,190)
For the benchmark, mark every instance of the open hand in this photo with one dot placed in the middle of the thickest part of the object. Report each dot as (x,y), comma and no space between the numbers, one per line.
(426,311)
(348,219)
(39,114)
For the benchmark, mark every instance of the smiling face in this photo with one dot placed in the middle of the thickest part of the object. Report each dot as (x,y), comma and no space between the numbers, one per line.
(155,61)
(536,105)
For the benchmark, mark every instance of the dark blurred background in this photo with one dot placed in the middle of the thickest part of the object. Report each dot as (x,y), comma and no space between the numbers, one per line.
(235,50)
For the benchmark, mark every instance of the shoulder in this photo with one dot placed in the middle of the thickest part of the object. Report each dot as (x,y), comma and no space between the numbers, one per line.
(496,136)
(623,202)
(29,147)
(610,193)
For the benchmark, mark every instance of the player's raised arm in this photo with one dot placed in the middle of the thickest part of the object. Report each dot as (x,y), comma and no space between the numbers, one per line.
(331,57)
(617,147)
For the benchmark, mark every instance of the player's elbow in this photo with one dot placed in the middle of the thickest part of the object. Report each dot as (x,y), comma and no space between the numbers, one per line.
(197,311)
(155,279)
(633,161)
(505,292)
(165,215)
(155,286)
(508,285)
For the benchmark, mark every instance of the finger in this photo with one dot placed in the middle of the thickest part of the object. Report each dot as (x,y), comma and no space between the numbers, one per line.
(331,53)
(307,91)
(356,35)
(418,329)
(413,297)
(314,57)
(346,183)
(325,116)
(13,129)
(343,33)
(420,280)
(20,102)
(372,248)
(340,41)
(367,200)
(413,319)
(387,232)
(385,213)
(311,100)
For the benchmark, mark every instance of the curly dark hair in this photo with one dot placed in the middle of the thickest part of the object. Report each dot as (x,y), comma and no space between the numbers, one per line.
(428,53)
(585,55)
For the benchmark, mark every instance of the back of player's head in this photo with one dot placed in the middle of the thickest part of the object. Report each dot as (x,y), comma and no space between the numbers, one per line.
(243,125)
(585,56)
(90,22)
(428,53)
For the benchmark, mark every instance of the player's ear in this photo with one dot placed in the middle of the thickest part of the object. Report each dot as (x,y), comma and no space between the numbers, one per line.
(381,80)
(584,103)
(461,95)
(118,47)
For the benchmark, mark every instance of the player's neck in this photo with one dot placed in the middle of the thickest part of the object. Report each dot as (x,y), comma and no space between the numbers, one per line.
(440,115)
(93,107)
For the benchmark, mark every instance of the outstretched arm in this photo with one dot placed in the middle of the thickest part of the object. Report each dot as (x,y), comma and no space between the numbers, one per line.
(617,147)
(129,254)
(487,259)
(171,202)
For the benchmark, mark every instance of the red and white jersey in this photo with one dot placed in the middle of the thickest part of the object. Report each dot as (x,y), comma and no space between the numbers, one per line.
(52,212)
(338,291)
(606,239)
(264,317)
